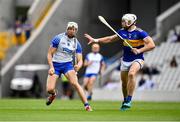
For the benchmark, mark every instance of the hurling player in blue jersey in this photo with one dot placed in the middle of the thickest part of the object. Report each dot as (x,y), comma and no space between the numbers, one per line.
(132,60)
(60,59)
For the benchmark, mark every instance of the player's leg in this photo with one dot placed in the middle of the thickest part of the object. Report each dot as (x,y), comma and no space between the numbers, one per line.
(85,83)
(72,77)
(50,88)
(132,77)
(90,87)
(124,78)
(135,67)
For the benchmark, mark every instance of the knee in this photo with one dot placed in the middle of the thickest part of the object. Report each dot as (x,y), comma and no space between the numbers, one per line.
(124,84)
(74,84)
(50,89)
(90,83)
(131,75)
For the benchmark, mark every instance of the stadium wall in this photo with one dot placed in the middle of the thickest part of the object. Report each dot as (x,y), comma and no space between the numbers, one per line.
(6,14)
(145,95)
(167,21)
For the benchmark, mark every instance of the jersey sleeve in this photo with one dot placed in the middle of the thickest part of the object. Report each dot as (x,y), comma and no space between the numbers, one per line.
(79,48)
(120,32)
(55,42)
(87,57)
(143,34)
(102,59)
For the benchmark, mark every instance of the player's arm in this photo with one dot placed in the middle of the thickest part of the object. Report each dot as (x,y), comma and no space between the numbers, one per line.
(79,62)
(106,39)
(87,63)
(103,67)
(79,57)
(52,49)
(148,45)
(50,53)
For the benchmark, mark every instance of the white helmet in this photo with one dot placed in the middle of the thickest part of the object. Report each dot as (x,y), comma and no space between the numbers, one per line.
(129,18)
(72,24)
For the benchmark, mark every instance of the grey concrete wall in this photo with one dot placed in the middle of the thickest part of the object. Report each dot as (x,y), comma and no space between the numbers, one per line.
(167,21)
(146,12)
(24,2)
(165,4)
(6,14)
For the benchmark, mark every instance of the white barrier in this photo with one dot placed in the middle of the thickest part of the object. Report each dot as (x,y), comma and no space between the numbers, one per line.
(145,95)
(166,21)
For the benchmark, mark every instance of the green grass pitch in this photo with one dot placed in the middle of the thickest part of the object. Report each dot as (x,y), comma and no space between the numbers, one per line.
(73,110)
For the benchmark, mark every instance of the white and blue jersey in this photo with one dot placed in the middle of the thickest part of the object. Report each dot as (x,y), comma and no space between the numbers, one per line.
(94,68)
(66,48)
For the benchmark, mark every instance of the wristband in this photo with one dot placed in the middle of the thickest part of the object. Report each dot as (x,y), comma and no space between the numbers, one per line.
(96,40)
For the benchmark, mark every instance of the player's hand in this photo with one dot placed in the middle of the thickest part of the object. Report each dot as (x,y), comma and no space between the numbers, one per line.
(51,71)
(135,51)
(77,68)
(90,39)
(90,62)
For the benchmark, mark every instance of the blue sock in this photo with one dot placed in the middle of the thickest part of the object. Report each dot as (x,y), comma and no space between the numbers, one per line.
(125,99)
(129,98)
(86,104)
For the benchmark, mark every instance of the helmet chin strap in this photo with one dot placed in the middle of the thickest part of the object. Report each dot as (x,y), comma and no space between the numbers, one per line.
(71,36)
(127,28)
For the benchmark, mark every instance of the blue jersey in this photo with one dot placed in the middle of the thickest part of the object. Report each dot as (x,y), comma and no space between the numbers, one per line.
(66,48)
(135,39)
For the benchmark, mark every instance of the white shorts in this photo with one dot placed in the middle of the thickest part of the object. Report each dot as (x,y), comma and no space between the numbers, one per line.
(125,66)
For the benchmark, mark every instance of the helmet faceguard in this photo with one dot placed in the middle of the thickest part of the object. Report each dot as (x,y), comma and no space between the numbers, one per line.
(129,19)
(72,24)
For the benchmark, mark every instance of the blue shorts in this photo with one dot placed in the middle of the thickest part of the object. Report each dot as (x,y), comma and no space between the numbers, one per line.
(90,75)
(62,67)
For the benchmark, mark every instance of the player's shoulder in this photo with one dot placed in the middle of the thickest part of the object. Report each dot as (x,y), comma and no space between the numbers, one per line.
(58,36)
(77,43)
(142,33)
(61,35)
(121,30)
(90,54)
(100,54)
(77,40)
(140,30)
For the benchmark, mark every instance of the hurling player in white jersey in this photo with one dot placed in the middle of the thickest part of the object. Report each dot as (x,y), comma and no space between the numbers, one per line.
(60,59)
(94,65)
